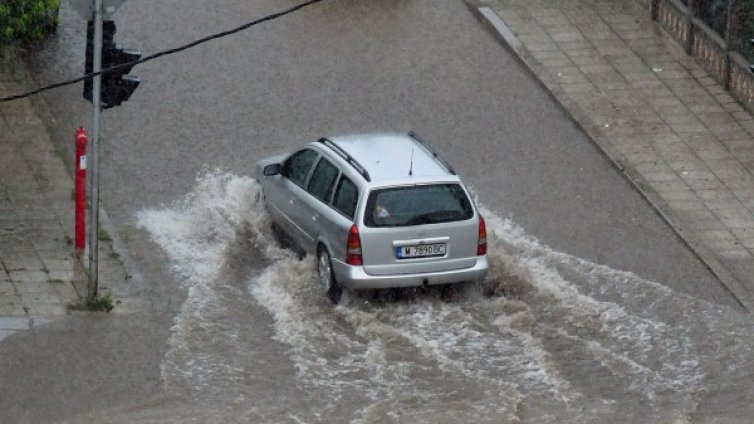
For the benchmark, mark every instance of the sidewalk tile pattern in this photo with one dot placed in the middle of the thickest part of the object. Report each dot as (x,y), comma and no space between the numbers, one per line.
(680,131)
(39,277)
(35,216)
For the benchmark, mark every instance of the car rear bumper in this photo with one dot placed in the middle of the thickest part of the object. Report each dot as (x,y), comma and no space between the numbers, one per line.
(354,277)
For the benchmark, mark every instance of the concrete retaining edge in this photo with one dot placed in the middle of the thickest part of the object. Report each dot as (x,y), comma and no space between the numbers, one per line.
(500,30)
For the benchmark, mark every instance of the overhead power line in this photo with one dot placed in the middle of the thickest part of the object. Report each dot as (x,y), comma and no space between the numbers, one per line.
(162,53)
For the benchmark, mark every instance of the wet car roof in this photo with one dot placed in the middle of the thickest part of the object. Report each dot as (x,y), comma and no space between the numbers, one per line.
(389,156)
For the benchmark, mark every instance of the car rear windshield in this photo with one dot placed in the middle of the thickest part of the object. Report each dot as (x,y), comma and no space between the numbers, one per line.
(417,205)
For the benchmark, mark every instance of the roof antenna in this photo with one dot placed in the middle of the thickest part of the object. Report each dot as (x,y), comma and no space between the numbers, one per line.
(411,166)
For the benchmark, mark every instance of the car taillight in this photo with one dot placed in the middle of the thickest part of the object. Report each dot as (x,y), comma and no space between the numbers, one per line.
(353,249)
(481,247)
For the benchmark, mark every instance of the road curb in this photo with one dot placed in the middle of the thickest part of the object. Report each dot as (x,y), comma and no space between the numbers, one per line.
(124,264)
(508,39)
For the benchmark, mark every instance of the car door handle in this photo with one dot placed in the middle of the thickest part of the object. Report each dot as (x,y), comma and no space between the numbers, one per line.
(314,218)
(292,201)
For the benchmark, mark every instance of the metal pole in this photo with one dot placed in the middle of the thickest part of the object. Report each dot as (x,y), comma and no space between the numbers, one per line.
(731,25)
(93,157)
(654,7)
(731,34)
(693,8)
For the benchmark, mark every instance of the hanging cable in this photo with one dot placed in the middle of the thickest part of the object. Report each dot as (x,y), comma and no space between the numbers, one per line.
(162,53)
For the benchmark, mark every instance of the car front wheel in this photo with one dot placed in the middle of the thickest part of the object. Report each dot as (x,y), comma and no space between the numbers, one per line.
(327,277)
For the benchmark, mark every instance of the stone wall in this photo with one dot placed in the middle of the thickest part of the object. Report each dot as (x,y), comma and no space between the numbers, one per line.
(727,67)
(709,49)
(673,16)
(741,81)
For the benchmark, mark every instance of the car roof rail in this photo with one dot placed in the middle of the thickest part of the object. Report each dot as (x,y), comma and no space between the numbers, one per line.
(432,151)
(348,158)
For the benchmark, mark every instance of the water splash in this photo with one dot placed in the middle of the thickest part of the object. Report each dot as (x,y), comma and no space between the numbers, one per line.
(560,340)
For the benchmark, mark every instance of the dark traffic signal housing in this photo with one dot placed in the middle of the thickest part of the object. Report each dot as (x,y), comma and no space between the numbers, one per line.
(117,85)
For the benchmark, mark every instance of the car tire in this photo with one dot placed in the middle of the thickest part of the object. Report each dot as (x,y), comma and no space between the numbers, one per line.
(327,277)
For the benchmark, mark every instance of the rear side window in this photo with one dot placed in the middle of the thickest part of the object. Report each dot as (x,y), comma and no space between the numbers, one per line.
(345,197)
(297,166)
(417,205)
(323,180)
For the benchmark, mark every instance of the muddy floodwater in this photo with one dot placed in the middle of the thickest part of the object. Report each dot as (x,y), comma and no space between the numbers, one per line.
(559,339)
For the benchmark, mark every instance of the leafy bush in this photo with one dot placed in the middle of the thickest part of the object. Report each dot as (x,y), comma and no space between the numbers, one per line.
(715,14)
(27,19)
(744,14)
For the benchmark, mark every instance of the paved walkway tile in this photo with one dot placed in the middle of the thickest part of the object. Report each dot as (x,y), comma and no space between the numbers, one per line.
(37,270)
(666,118)
(12,325)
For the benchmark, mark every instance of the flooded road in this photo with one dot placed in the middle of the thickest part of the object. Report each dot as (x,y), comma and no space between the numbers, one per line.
(560,339)
(600,313)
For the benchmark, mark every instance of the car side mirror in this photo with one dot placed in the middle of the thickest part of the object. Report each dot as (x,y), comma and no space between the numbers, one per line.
(273,169)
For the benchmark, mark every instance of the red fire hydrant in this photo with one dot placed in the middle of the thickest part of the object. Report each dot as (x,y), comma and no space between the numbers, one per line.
(81,141)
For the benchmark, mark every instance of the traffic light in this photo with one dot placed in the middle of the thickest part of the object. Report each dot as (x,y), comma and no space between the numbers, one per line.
(117,85)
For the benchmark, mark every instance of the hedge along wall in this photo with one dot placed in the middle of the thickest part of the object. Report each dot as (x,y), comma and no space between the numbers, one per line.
(743,20)
(714,13)
(686,21)
(22,20)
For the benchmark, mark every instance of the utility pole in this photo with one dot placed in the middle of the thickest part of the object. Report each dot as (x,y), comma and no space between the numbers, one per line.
(93,157)
(104,91)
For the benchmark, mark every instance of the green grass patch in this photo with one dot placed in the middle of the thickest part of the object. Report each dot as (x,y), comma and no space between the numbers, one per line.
(103,302)
(102,235)
(59,152)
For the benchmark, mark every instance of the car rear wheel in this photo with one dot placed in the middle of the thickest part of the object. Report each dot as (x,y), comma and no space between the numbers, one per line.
(327,277)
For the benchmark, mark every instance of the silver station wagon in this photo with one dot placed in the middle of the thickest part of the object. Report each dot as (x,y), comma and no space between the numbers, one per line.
(378,210)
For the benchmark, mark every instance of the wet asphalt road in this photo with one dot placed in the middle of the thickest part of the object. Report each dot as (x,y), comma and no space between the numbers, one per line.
(337,67)
(357,66)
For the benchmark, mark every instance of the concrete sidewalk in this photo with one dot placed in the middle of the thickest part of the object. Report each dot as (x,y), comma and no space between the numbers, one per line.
(39,277)
(676,134)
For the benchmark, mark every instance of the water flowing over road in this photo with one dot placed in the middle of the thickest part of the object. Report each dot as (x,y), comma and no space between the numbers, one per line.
(560,339)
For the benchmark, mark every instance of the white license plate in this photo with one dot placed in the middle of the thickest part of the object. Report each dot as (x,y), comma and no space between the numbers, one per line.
(420,250)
